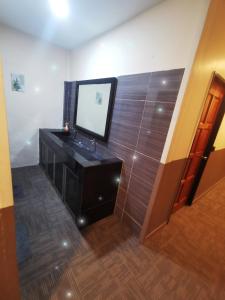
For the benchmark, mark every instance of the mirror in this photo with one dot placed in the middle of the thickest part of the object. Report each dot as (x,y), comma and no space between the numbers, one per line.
(94,105)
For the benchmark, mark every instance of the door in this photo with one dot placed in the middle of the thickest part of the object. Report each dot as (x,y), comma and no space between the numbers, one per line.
(43,155)
(203,142)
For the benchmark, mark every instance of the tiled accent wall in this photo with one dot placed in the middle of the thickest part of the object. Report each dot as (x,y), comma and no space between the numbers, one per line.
(69,102)
(142,113)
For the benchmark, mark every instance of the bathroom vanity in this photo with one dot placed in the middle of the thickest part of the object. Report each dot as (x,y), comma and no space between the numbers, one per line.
(85,178)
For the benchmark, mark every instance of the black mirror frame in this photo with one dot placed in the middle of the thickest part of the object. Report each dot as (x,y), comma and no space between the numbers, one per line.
(113,81)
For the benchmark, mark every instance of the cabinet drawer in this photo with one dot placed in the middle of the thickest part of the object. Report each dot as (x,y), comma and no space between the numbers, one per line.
(59,160)
(100,186)
(72,191)
(73,166)
(102,211)
(96,199)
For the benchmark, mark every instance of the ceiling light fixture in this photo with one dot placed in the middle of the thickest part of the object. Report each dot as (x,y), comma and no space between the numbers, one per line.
(60,8)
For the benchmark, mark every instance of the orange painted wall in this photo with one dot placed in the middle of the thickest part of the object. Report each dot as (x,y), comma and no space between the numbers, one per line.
(9,277)
(210,57)
(6,196)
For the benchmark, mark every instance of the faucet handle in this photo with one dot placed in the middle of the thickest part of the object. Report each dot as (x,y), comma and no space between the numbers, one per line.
(93,143)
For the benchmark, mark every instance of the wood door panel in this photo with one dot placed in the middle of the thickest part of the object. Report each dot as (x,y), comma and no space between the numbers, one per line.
(202,141)
(197,157)
(206,108)
(213,110)
(196,160)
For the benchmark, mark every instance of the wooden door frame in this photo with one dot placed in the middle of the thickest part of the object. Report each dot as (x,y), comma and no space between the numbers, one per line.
(209,147)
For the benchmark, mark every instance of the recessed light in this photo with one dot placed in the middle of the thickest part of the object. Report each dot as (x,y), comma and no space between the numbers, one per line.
(60,8)
(164,82)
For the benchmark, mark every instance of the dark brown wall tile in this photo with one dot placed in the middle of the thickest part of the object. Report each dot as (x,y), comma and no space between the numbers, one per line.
(139,190)
(124,134)
(122,152)
(151,143)
(121,198)
(125,178)
(138,135)
(157,116)
(135,209)
(145,168)
(135,81)
(131,223)
(128,112)
(118,212)
(133,87)
(165,85)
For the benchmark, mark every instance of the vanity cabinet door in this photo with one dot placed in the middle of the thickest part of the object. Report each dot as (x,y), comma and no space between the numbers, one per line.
(100,185)
(59,173)
(72,191)
(41,158)
(51,158)
(43,155)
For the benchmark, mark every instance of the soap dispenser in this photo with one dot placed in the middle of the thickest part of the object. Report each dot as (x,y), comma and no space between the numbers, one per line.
(66,127)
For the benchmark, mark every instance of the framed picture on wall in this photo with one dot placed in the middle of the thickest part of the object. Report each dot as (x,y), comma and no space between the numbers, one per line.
(17,82)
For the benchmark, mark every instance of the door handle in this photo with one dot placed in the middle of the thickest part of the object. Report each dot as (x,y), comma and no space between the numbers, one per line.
(205,157)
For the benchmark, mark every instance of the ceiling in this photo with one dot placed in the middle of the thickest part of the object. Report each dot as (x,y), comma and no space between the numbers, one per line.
(87,18)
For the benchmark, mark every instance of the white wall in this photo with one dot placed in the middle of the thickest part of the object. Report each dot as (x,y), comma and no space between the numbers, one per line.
(164,37)
(41,105)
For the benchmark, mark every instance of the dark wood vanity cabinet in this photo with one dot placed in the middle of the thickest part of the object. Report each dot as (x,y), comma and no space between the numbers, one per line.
(58,173)
(50,163)
(88,187)
(72,193)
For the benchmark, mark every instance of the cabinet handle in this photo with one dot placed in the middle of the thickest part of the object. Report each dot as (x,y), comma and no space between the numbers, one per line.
(100,198)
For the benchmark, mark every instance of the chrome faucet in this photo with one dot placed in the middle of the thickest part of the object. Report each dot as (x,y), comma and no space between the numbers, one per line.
(93,143)
(73,131)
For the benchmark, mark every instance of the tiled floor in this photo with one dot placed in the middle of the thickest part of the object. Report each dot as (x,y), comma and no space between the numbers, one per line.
(185,260)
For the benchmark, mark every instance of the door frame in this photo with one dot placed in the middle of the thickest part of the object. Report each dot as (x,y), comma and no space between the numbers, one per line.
(209,147)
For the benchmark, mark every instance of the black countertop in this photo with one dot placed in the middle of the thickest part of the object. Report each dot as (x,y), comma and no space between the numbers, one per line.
(84,157)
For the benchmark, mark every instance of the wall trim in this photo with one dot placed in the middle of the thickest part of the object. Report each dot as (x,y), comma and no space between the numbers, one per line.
(155,230)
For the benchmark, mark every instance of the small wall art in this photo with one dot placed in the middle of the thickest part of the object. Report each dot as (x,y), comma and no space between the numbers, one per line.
(17,82)
(99,98)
